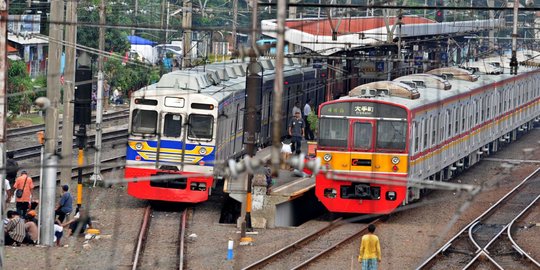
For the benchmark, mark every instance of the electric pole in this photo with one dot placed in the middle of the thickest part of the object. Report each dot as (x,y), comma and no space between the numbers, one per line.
(3,111)
(513,59)
(96,176)
(69,89)
(252,117)
(136,14)
(46,215)
(277,96)
(186,25)
(235,22)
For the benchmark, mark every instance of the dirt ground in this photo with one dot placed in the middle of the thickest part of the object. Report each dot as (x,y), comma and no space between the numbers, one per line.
(408,237)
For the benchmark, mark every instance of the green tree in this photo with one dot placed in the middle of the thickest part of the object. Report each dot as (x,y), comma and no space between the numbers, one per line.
(19,88)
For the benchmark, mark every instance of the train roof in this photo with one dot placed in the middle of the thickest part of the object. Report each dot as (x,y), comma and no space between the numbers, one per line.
(431,94)
(221,79)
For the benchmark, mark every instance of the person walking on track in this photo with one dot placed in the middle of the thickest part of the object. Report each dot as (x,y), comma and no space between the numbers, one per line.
(370,250)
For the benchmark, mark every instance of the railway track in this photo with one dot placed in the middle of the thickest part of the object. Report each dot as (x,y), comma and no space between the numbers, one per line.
(35,150)
(88,170)
(158,250)
(487,243)
(31,130)
(300,253)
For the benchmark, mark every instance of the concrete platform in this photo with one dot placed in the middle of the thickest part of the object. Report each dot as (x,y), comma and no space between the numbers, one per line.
(273,210)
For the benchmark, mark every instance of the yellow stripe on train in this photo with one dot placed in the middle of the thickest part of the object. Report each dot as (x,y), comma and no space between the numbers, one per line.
(147,148)
(364,161)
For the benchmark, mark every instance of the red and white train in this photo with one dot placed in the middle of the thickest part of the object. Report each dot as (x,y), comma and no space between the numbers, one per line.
(381,141)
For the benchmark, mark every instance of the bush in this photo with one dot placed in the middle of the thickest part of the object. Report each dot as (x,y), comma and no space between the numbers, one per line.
(313,122)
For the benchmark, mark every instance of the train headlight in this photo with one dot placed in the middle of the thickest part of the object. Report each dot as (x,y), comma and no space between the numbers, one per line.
(391,196)
(327,157)
(330,193)
(202,151)
(395,160)
(138,146)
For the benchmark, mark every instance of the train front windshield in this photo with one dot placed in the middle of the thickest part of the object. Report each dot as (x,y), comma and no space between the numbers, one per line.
(201,126)
(144,122)
(362,126)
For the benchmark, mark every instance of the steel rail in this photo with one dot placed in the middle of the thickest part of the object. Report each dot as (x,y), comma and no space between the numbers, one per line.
(482,216)
(514,244)
(181,236)
(482,257)
(35,150)
(326,251)
(267,259)
(36,178)
(141,240)
(31,130)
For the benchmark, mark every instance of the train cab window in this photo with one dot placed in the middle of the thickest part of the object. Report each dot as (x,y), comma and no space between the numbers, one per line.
(144,121)
(391,135)
(362,135)
(201,126)
(172,125)
(333,132)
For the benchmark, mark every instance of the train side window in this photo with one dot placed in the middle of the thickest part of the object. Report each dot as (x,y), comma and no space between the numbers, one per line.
(424,134)
(456,120)
(201,126)
(172,125)
(477,112)
(441,128)
(144,121)
(449,119)
(416,137)
(434,127)
(463,110)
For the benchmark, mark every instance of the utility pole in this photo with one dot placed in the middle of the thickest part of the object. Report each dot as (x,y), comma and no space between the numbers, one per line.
(277,116)
(3,111)
(513,60)
(252,117)
(137,13)
(96,176)
(491,40)
(292,15)
(46,215)
(167,24)
(235,22)
(69,89)
(186,25)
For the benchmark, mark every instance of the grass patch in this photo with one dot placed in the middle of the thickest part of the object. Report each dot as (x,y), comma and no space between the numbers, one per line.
(25,120)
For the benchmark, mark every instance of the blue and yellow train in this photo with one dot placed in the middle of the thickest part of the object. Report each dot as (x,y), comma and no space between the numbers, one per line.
(180,126)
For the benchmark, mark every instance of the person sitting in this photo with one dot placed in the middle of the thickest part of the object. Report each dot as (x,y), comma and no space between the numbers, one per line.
(65,205)
(58,232)
(31,229)
(14,231)
(79,223)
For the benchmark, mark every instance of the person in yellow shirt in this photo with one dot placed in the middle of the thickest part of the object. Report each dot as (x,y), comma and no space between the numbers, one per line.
(370,250)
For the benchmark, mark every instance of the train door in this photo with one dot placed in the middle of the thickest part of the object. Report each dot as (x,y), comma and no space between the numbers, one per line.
(362,134)
(171,130)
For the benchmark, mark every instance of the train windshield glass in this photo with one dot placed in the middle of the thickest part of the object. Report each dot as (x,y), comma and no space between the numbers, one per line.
(201,126)
(144,122)
(391,135)
(362,135)
(172,125)
(333,132)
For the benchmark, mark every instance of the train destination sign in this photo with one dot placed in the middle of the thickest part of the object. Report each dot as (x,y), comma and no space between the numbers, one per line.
(364,109)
